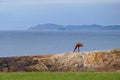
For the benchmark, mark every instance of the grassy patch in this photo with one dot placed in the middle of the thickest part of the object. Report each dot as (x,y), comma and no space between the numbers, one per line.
(60,76)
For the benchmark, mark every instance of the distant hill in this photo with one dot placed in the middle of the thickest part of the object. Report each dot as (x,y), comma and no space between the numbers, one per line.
(74,27)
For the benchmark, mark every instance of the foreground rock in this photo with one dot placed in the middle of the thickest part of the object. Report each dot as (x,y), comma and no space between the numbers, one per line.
(108,60)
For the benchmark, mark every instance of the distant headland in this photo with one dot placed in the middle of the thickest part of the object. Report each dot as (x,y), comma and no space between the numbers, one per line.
(73,27)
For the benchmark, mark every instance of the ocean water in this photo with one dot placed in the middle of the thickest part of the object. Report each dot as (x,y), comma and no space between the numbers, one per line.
(21,43)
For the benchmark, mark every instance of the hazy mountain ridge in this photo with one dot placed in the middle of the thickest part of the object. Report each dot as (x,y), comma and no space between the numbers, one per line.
(74,27)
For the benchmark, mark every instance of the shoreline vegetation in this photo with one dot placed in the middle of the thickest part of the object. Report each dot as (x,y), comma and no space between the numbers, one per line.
(95,61)
(60,76)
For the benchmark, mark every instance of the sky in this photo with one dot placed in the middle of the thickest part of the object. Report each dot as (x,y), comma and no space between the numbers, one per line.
(23,14)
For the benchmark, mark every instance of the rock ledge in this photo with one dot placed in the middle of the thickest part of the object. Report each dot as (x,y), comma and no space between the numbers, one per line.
(107,60)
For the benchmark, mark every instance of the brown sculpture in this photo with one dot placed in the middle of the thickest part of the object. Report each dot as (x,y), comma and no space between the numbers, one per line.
(78,45)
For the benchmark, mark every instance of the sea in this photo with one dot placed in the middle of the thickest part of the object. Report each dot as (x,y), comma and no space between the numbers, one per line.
(24,43)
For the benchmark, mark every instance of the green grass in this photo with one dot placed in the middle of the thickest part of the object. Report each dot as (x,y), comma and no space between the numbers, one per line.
(60,76)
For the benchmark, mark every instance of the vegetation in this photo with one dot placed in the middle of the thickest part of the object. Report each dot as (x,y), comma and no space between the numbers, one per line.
(60,76)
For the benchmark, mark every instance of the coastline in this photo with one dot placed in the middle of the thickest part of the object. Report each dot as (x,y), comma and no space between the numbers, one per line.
(105,60)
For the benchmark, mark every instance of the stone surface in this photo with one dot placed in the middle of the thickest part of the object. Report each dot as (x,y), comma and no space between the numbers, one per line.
(107,60)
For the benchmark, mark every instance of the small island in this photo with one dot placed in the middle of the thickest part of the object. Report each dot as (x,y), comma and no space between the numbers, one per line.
(50,26)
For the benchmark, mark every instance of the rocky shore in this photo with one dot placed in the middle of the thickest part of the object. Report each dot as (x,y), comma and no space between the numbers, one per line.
(107,60)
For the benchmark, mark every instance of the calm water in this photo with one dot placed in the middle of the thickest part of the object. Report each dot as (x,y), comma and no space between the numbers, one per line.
(18,43)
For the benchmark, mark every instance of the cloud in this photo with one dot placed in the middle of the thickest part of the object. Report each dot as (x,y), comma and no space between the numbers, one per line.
(54,1)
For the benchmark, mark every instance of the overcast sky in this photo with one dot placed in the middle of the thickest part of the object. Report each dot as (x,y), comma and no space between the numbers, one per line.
(55,1)
(22,14)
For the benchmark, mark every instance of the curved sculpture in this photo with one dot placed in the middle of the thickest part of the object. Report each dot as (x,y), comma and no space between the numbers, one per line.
(78,45)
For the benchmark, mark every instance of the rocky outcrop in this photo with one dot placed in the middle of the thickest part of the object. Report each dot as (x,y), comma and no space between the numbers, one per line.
(108,60)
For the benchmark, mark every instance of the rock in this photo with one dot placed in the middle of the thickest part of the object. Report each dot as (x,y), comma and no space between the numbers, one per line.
(107,60)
